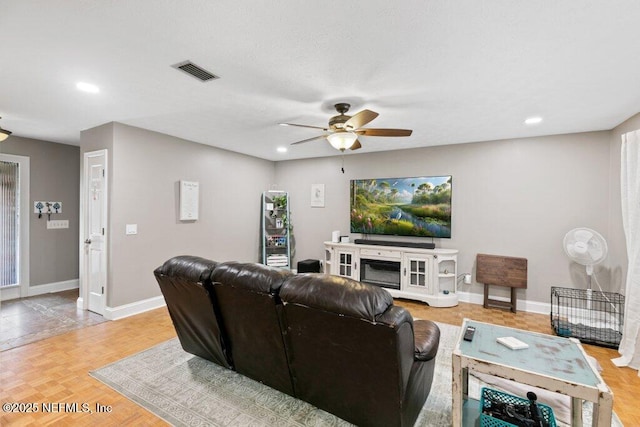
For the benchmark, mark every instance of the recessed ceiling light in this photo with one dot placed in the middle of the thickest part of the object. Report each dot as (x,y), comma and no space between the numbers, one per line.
(87,87)
(282,149)
(533,120)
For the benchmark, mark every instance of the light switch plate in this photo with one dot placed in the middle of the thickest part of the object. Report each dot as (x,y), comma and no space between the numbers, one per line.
(131,229)
(57,223)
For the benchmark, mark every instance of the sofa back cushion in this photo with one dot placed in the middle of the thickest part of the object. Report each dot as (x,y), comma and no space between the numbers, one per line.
(182,281)
(253,277)
(250,308)
(350,350)
(338,295)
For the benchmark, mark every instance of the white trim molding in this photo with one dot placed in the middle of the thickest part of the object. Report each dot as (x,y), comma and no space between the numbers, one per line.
(9,292)
(13,292)
(126,310)
(48,288)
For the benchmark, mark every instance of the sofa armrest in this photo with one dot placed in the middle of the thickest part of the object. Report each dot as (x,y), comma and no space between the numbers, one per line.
(394,316)
(427,338)
(188,267)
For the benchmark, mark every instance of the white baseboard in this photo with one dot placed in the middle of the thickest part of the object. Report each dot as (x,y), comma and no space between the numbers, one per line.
(114,313)
(54,287)
(122,311)
(521,305)
(9,293)
(13,292)
(126,310)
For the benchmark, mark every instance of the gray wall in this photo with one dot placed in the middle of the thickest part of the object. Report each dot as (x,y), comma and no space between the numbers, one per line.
(145,169)
(513,197)
(54,176)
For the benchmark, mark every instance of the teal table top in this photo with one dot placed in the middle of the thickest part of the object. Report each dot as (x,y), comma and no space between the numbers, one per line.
(547,355)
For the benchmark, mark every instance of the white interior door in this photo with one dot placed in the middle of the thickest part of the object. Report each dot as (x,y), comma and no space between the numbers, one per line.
(95,170)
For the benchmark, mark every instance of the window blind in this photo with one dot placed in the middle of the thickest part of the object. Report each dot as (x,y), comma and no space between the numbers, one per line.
(9,223)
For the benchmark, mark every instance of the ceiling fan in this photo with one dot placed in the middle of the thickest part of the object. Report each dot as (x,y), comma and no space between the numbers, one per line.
(343,130)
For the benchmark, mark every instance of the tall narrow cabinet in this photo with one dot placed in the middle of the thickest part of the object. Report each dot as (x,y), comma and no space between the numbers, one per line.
(276,241)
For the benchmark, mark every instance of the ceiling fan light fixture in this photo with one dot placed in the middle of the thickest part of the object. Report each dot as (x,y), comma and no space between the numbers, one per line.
(342,140)
(4,134)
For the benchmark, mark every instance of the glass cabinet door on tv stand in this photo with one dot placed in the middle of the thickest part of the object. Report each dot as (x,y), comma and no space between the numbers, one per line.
(417,273)
(347,264)
(275,241)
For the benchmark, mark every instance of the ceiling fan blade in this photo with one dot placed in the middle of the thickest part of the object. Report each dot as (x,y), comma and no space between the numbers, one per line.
(303,126)
(309,139)
(356,145)
(360,119)
(384,132)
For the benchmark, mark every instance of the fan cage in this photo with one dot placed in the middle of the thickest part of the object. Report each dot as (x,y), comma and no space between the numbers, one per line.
(593,317)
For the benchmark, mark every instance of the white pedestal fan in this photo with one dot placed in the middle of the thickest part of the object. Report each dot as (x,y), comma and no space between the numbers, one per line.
(587,247)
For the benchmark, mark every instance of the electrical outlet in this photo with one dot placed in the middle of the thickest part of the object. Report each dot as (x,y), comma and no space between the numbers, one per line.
(57,223)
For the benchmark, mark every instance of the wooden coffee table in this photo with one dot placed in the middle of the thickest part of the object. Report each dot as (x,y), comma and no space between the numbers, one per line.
(551,363)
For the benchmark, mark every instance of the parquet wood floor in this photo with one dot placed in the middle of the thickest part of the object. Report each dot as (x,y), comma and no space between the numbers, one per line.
(55,370)
(31,319)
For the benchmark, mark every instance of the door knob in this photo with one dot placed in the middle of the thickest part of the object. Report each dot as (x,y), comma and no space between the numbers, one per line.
(88,241)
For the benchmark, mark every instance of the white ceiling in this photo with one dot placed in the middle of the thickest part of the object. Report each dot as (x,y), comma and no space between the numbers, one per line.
(453,71)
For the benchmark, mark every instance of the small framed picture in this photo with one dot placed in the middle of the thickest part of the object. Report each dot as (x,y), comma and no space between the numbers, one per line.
(317,195)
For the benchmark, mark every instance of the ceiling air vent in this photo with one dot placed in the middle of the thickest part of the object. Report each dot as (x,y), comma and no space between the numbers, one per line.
(195,71)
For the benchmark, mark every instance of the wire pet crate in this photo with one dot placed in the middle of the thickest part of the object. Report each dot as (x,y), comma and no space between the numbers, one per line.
(594,317)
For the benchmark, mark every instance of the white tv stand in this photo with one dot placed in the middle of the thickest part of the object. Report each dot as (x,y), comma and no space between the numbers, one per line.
(428,275)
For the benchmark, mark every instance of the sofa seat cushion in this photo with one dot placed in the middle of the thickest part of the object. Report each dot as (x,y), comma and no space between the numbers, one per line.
(337,295)
(427,339)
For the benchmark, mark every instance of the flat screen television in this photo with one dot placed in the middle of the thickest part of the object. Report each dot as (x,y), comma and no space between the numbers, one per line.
(419,206)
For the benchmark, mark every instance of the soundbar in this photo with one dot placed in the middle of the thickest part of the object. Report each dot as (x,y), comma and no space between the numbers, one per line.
(421,245)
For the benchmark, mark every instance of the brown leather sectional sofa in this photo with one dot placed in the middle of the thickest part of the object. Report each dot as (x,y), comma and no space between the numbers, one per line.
(336,343)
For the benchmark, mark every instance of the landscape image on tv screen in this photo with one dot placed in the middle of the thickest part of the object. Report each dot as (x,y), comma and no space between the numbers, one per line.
(419,206)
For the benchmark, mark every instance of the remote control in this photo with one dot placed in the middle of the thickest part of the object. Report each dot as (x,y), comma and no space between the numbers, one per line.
(468,333)
(513,343)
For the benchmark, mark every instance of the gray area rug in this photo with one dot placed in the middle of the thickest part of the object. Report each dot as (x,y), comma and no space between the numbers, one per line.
(186,390)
